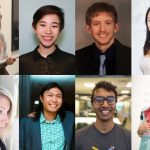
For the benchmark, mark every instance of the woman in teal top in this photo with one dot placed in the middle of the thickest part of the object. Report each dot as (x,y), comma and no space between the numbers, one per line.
(52,128)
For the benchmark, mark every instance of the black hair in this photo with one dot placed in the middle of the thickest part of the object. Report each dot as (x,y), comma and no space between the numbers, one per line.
(46,10)
(96,8)
(108,86)
(147,41)
(39,108)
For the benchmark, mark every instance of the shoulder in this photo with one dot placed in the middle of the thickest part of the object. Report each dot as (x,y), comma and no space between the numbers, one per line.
(27,55)
(84,50)
(26,121)
(65,54)
(85,131)
(69,116)
(123,131)
(121,46)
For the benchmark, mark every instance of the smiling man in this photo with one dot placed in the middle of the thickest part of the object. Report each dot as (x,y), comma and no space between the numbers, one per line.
(104,134)
(47,58)
(51,127)
(106,56)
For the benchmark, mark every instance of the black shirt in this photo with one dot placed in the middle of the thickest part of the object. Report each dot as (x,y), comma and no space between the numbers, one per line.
(118,60)
(2,146)
(59,62)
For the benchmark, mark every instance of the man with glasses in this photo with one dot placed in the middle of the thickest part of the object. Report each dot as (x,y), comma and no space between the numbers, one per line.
(104,134)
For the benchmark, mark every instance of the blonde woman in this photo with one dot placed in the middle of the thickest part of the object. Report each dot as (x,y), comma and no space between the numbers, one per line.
(6,108)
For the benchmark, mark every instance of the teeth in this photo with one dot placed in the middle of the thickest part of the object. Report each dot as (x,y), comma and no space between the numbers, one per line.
(105,112)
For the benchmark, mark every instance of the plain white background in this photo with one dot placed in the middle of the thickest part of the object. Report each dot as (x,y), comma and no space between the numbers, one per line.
(27,8)
(139,8)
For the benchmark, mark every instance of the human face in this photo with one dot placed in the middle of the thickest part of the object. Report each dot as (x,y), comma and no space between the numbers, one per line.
(148,21)
(105,111)
(102,29)
(47,30)
(4,112)
(52,100)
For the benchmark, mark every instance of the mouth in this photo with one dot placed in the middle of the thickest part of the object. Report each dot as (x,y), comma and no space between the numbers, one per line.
(105,111)
(53,105)
(47,38)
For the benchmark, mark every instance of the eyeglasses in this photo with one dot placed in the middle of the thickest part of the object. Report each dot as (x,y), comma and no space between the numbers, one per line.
(111,100)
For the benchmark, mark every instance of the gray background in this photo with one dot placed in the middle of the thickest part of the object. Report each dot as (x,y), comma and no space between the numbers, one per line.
(27,40)
(123,8)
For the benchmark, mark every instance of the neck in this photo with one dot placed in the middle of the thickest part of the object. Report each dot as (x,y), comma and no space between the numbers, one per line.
(49,116)
(45,51)
(103,126)
(104,48)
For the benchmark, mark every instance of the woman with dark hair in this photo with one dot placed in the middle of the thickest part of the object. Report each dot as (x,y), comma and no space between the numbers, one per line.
(52,127)
(145,60)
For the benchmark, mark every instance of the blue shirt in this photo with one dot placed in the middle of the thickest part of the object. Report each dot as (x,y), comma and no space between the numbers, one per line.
(52,134)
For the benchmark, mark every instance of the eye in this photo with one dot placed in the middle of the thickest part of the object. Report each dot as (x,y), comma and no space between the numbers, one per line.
(111,99)
(99,99)
(42,25)
(1,111)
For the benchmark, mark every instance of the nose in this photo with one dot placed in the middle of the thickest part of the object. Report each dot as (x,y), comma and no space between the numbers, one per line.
(48,30)
(102,27)
(54,99)
(5,118)
(105,104)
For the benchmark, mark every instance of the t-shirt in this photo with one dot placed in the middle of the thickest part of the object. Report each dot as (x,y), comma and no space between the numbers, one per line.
(89,138)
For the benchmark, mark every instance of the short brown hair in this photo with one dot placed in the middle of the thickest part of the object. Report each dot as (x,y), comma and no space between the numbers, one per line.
(96,8)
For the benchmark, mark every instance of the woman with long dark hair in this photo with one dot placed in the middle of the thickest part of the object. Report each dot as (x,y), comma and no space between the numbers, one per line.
(145,60)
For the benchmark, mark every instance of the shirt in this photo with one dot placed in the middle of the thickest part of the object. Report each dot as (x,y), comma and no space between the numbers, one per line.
(52,134)
(56,63)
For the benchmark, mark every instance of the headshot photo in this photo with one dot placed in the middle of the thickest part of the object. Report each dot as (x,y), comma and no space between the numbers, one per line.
(140,44)
(47,113)
(103,38)
(50,27)
(103,116)
(9,37)
(9,112)
(140,112)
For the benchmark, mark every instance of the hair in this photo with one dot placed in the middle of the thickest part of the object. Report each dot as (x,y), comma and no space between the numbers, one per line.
(96,8)
(147,41)
(108,86)
(5,93)
(39,109)
(48,10)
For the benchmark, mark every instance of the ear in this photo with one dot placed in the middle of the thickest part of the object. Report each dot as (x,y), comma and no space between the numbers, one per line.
(34,29)
(116,28)
(41,99)
(87,28)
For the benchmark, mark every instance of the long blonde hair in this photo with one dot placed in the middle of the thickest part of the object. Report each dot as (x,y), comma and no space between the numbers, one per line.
(4,92)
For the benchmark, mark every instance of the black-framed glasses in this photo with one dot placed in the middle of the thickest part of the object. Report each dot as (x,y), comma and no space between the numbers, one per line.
(111,100)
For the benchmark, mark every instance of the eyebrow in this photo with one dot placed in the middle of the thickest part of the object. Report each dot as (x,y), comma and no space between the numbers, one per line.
(46,22)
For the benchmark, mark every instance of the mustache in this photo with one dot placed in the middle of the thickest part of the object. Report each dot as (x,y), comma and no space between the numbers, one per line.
(105,109)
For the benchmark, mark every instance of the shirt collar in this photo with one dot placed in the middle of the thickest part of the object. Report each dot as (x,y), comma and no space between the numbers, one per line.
(37,55)
(109,52)
(43,120)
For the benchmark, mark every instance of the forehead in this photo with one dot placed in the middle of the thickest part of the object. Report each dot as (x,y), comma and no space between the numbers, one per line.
(50,18)
(4,102)
(54,90)
(103,92)
(103,15)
